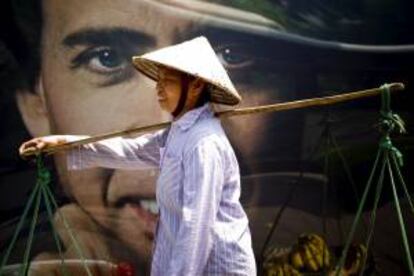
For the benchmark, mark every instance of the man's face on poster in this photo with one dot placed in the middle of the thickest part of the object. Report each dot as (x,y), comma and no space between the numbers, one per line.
(88,86)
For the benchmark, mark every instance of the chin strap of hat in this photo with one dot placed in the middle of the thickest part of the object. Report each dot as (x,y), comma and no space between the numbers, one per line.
(185,81)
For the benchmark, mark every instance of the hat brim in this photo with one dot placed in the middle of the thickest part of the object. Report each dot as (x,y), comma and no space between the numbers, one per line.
(218,93)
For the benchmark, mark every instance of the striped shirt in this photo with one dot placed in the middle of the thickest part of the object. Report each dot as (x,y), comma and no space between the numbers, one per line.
(203,229)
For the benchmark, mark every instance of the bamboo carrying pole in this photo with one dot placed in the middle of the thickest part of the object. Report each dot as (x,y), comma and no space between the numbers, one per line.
(235,112)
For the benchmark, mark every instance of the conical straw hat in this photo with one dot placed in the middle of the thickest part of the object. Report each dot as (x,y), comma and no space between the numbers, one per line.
(195,57)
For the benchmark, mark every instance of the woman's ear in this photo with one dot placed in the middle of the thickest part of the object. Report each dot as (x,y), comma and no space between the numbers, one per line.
(32,107)
(197,86)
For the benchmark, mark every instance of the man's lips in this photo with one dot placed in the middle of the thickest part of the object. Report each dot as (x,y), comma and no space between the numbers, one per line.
(134,193)
(147,215)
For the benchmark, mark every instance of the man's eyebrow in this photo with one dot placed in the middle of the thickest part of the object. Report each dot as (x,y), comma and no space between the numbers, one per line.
(102,36)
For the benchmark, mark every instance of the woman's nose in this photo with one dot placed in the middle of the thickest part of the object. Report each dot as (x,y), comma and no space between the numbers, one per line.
(158,86)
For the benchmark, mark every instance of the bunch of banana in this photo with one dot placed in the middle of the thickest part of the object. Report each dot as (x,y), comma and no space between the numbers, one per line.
(355,259)
(281,269)
(310,254)
(334,272)
(277,263)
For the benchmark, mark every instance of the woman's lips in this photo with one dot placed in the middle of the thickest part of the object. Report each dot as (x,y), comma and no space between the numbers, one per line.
(160,95)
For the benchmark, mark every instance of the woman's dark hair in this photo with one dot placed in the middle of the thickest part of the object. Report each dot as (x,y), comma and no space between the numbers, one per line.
(185,81)
(204,97)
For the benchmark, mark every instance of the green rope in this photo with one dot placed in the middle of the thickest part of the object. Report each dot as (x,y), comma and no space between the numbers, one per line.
(42,191)
(348,173)
(386,143)
(19,227)
(402,225)
(44,179)
(374,212)
(389,122)
(72,235)
(55,235)
(357,216)
(24,267)
(400,177)
(43,174)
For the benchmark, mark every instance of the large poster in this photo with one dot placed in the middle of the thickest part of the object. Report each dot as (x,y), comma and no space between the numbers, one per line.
(66,69)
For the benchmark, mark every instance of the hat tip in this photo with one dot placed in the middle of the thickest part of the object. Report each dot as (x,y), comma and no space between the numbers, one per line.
(201,37)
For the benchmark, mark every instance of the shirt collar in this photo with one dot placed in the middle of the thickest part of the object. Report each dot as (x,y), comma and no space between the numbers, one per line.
(190,117)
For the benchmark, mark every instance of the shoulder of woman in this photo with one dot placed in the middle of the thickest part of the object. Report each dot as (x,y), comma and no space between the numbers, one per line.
(204,128)
(205,140)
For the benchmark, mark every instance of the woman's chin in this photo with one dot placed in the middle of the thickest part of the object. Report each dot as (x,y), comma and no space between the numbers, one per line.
(164,106)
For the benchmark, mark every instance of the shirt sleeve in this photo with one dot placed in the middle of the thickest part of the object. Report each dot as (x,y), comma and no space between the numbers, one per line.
(203,183)
(117,153)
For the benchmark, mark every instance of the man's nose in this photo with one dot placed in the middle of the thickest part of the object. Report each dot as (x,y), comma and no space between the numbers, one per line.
(125,183)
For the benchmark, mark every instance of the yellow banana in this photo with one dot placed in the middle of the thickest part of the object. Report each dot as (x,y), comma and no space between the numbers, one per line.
(295,272)
(359,254)
(271,272)
(290,270)
(286,269)
(318,240)
(341,272)
(322,247)
(326,257)
(296,260)
(310,262)
(316,254)
(279,270)
(362,250)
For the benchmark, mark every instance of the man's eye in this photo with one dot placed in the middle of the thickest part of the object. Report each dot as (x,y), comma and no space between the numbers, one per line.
(234,56)
(101,60)
(106,60)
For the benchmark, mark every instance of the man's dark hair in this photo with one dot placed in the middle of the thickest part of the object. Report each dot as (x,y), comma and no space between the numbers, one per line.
(23,39)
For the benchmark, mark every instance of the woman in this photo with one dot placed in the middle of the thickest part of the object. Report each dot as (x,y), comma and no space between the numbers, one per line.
(202,229)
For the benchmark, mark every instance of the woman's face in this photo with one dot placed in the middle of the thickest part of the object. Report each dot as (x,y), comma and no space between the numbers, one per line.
(169,87)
